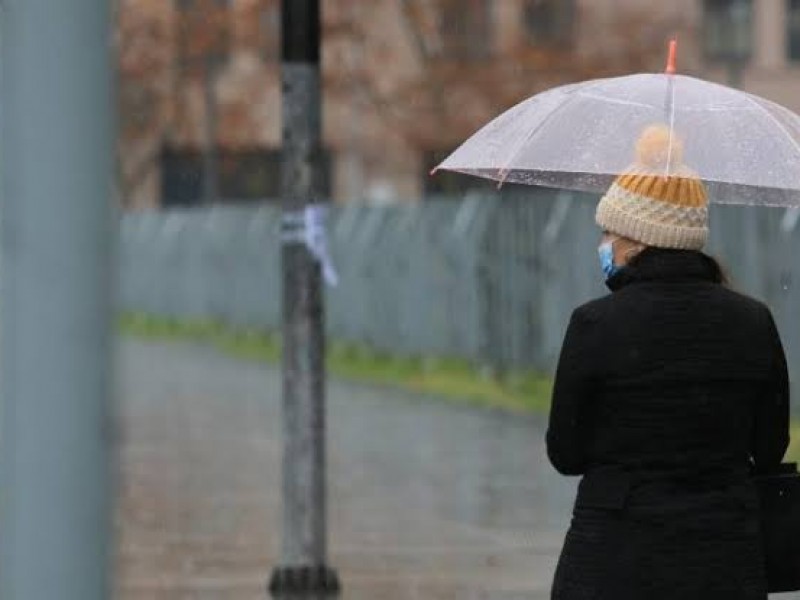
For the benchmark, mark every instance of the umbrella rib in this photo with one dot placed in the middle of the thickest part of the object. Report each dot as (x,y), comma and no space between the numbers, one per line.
(671,92)
(772,118)
(720,108)
(505,170)
(615,100)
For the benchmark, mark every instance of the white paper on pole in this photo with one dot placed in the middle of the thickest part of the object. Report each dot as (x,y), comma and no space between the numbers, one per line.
(309,228)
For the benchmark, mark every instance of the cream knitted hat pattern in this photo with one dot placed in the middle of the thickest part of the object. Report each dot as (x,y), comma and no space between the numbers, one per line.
(646,205)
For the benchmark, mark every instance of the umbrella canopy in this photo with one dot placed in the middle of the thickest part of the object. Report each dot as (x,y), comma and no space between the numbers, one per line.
(745,149)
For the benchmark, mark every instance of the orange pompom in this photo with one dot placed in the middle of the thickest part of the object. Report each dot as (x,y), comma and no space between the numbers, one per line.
(654,145)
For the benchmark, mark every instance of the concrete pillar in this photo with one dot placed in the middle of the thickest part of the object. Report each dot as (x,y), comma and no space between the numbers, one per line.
(56,237)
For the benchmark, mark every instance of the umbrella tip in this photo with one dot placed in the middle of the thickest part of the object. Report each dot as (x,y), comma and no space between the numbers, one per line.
(672,56)
(433,171)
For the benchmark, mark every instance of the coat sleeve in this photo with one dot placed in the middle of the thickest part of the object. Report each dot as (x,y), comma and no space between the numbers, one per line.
(568,430)
(771,430)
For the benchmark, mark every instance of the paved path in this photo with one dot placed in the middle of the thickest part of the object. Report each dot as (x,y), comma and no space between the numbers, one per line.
(427,500)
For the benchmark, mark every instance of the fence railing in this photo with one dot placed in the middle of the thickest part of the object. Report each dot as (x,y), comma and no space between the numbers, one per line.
(490,280)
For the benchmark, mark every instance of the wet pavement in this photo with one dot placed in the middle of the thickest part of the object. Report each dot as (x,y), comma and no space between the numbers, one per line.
(427,500)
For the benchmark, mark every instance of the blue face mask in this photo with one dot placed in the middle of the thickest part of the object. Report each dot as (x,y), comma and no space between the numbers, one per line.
(606,252)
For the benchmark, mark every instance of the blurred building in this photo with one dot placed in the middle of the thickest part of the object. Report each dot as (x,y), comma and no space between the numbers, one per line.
(404,81)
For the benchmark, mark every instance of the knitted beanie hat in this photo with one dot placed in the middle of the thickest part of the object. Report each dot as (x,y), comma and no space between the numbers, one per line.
(645,205)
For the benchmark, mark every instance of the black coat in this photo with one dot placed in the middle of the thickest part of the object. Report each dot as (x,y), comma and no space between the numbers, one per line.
(669,391)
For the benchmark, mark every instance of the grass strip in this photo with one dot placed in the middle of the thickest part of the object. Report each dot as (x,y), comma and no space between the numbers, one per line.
(447,378)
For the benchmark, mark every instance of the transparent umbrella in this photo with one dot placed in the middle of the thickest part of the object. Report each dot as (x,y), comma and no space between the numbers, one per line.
(581,136)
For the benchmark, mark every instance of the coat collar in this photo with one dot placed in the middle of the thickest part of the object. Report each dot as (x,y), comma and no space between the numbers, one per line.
(658,264)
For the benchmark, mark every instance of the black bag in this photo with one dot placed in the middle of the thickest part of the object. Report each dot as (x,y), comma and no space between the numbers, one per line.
(779,493)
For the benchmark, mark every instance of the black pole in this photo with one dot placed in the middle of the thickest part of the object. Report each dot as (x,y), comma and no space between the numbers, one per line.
(304,568)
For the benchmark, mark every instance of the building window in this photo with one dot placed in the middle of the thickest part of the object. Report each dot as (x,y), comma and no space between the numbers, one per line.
(244,175)
(728,30)
(549,22)
(465,27)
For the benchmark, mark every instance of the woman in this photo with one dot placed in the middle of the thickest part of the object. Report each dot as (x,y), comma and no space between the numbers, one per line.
(668,393)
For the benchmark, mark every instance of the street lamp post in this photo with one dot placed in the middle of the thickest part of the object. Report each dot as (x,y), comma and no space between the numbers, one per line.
(304,568)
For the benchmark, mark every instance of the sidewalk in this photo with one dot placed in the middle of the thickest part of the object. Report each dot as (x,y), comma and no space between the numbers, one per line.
(427,500)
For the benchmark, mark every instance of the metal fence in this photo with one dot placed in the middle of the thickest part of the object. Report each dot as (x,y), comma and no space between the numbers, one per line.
(491,280)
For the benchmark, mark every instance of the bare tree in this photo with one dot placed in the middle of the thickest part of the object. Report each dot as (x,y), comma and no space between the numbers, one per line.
(458,85)
(440,77)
